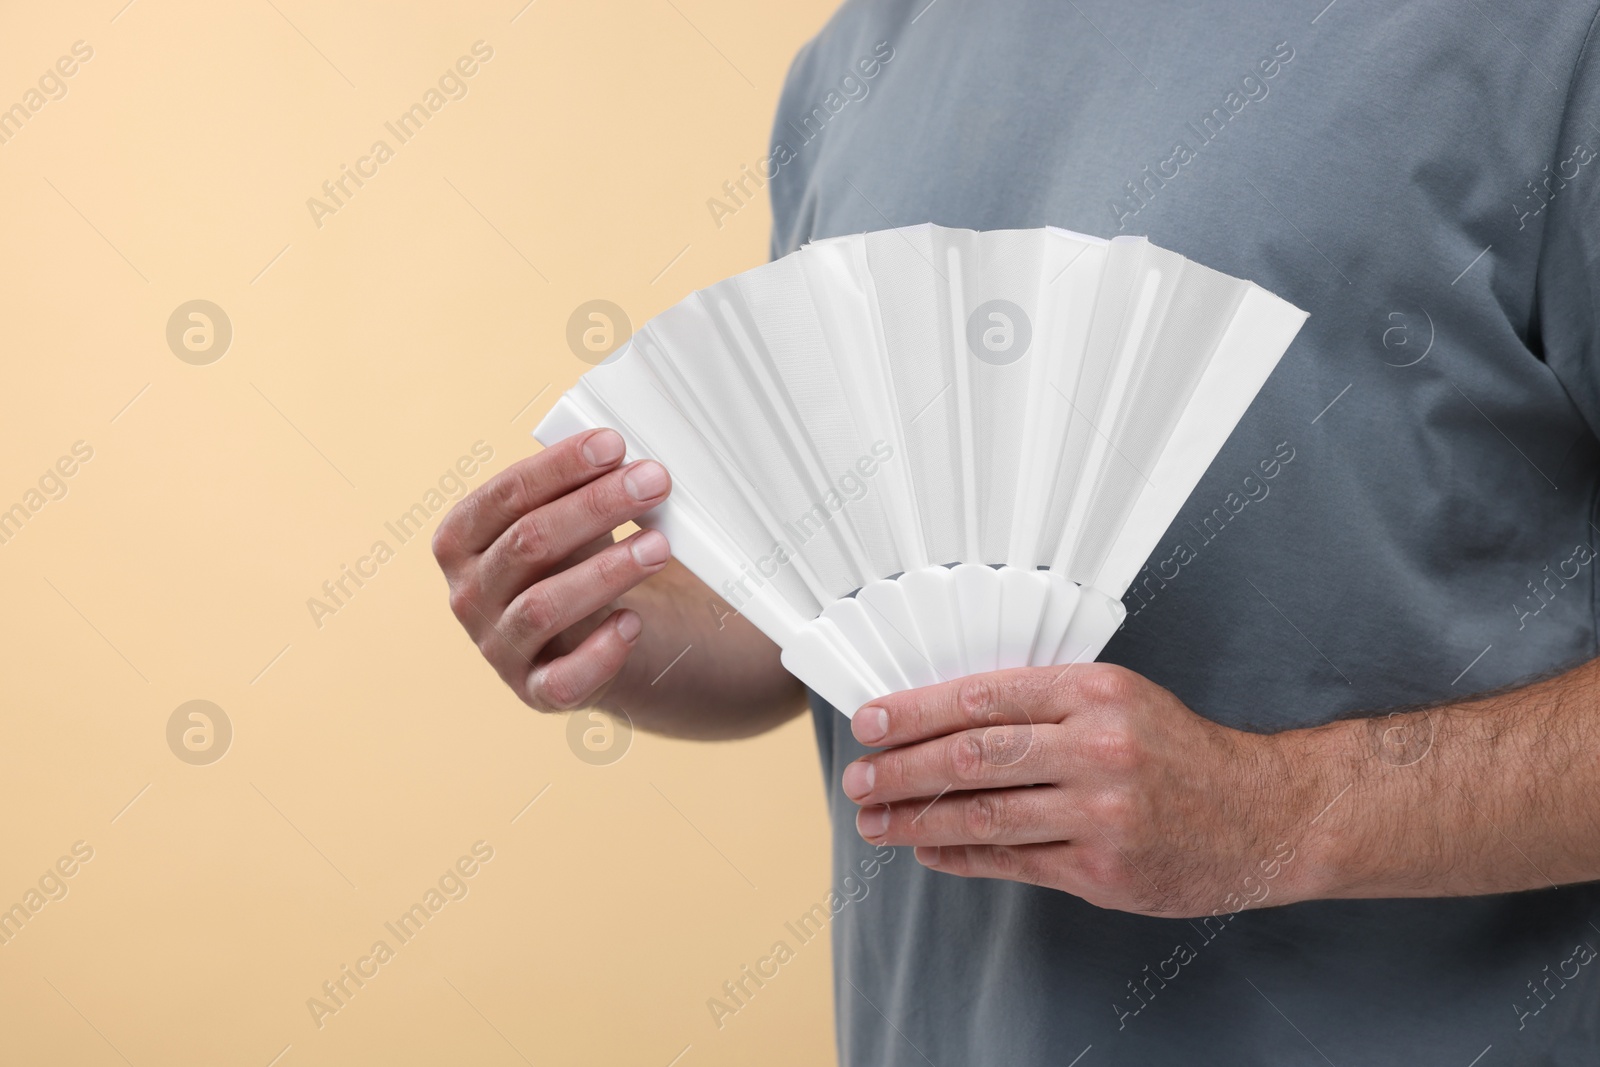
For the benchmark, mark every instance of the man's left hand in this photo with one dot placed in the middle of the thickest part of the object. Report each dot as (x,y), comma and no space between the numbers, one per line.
(1088,779)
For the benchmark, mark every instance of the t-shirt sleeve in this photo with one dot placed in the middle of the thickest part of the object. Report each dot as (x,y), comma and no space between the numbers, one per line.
(1567,295)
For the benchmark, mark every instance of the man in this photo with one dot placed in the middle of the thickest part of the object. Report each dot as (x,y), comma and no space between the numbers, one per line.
(1222,844)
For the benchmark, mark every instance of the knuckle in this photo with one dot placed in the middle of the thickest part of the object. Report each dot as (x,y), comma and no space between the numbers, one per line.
(537,695)
(535,613)
(1113,813)
(1006,746)
(1105,871)
(966,759)
(1115,749)
(560,693)
(1031,867)
(1105,683)
(1008,862)
(446,544)
(978,698)
(464,601)
(504,496)
(525,540)
(614,567)
(985,817)
(600,502)
(489,644)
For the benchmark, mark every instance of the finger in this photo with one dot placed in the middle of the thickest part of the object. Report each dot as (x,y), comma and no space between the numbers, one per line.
(546,608)
(549,534)
(577,678)
(486,512)
(1046,864)
(1017,696)
(988,816)
(991,758)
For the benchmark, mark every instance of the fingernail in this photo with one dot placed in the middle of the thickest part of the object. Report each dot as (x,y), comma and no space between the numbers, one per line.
(603,448)
(927,855)
(873,821)
(650,548)
(857,780)
(628,625)
(870,725)
(645,480)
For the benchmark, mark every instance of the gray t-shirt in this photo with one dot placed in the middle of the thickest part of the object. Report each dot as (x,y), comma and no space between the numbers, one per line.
(1423,178)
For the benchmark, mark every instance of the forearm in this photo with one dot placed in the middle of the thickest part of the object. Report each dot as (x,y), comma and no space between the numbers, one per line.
(698,670)
(1490,795)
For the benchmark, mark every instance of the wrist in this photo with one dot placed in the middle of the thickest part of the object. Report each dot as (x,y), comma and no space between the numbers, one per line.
(1324,768)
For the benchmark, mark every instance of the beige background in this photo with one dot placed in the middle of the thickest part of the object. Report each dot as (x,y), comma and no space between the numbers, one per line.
(368,354)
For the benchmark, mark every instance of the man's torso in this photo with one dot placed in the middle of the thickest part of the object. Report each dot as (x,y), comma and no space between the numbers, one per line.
(1424,532)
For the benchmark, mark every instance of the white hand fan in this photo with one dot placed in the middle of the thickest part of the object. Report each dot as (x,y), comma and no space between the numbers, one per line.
(917,454)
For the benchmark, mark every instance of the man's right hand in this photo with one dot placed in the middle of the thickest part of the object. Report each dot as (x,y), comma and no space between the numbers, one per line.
(535,575)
